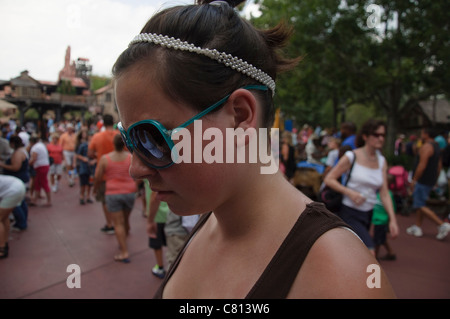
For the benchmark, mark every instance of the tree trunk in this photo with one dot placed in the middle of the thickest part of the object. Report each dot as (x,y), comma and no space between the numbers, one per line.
(391,130)
(335,111)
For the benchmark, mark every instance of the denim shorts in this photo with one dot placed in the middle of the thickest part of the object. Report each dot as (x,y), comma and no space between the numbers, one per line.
(420,195)
(380,234)
(360,222)
(120,202)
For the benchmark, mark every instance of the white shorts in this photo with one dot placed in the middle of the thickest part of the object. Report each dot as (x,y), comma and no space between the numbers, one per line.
(56,169)
(14,196)
(69,158)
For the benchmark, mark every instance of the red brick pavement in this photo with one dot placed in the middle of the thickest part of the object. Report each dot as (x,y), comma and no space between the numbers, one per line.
(68,233)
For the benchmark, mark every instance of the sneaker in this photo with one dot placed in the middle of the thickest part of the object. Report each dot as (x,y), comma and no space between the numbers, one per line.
(54,189)
(414,230)
(158,272)
(444,229)
(389,257)
(82,202)
(108,230)
(17,229)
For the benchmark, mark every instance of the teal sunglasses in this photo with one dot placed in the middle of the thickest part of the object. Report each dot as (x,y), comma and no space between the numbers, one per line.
(153,143)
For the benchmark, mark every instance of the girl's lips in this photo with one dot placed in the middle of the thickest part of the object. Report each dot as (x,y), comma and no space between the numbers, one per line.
(162,195)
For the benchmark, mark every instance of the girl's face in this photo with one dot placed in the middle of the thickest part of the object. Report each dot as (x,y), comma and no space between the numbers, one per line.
(376,139)
(188,188)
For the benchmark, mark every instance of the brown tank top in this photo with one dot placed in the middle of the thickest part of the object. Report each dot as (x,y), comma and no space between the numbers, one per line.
(279,275)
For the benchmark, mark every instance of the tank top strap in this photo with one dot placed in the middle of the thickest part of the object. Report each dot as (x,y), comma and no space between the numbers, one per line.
(277,279)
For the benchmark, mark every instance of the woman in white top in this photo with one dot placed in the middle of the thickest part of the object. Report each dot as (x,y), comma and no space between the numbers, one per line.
(41,164)
(368,176)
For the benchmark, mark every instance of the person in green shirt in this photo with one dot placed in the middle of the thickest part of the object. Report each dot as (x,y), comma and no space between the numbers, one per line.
(380,220)
(157,216)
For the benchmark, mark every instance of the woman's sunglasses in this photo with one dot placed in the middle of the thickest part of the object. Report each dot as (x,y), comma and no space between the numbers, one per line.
(153,143)
(378,135)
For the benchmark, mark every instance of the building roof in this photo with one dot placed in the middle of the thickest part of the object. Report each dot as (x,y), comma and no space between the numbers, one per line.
(4,105)
(49,83)
(79,82)
(76,82)
(103,89)
(441,113)
(25,80)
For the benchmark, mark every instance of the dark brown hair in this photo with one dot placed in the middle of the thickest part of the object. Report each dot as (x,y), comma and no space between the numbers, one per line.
(198,80)
(368,128)
(118,143)
(16,141)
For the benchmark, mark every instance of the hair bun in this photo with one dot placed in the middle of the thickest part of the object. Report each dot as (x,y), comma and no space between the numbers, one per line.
(232,3)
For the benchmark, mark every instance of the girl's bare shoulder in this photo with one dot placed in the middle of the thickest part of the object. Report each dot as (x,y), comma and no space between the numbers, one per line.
(340,266)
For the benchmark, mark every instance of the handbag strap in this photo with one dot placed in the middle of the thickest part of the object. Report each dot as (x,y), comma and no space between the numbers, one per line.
(351,168)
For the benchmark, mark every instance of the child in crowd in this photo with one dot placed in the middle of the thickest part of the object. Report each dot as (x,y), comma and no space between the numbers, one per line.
(380,220)
(155,228)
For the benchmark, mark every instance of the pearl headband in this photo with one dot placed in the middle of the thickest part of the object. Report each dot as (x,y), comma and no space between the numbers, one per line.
(218,3)
(224,58)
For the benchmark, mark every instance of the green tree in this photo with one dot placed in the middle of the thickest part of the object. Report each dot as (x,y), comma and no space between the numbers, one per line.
(97,81)
(65,87)
(388,56)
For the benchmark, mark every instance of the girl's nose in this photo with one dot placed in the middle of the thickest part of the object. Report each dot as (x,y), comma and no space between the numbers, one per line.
(138,169)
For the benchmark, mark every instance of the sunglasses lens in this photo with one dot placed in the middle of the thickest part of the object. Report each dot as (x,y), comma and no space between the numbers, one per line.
(151,145)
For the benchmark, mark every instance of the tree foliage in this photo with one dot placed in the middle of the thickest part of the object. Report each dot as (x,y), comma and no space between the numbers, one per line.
(390,55)
(98,81)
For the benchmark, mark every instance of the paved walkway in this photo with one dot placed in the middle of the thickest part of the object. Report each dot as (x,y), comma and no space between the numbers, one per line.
(68,233)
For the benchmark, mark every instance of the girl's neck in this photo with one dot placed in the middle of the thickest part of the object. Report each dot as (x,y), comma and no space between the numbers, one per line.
(369,150)
(255,204)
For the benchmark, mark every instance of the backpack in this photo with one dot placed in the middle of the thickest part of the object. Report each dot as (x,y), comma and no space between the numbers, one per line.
(400,183)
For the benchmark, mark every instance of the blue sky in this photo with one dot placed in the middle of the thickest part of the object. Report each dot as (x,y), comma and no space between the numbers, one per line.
(35,34)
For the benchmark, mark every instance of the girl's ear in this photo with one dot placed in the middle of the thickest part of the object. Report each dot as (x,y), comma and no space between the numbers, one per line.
(242,107)
(242,110)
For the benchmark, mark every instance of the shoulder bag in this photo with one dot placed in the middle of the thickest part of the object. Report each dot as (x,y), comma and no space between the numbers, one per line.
(331,198)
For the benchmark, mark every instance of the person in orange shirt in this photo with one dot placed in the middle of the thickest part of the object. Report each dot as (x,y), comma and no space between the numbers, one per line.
(68,141)
(55,151)
(101,144)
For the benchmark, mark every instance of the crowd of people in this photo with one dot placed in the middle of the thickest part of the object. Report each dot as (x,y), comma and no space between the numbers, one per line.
(424,159)
(247,217)
(74,150)
(95,158)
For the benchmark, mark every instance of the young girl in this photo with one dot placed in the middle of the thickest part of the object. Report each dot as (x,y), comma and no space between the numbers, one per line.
(259,237)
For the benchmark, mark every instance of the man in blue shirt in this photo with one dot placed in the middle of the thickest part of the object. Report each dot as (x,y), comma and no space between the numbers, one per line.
(348,134)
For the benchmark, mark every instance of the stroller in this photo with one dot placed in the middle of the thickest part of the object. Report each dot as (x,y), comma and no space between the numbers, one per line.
(398,184)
